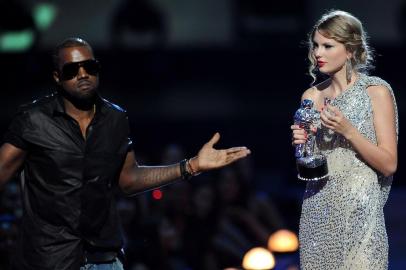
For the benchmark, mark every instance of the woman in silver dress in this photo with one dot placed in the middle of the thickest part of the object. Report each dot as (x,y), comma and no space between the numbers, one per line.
(342,222)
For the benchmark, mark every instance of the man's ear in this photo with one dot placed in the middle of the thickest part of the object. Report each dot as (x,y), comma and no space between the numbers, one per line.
(56,77)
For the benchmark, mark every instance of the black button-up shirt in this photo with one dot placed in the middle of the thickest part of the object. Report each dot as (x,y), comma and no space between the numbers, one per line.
(69,182)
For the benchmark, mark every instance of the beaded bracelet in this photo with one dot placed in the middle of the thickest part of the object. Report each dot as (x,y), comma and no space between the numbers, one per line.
(192,172)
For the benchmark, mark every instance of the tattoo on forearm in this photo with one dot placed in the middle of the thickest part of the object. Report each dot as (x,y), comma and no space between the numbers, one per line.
(147,177)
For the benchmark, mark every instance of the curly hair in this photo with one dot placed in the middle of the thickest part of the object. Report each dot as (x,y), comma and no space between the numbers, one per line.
(345,28)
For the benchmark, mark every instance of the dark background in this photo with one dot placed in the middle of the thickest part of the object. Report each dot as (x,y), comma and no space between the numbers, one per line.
(186,69)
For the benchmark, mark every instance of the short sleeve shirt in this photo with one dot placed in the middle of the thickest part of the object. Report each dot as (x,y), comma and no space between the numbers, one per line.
(69,182)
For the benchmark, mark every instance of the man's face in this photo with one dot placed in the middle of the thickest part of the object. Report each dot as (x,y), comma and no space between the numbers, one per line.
(77,72)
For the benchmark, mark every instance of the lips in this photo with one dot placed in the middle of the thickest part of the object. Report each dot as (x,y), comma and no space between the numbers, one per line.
(321,63)
(84,84)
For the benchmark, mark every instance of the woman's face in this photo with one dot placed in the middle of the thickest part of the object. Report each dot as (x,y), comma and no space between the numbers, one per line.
(329,54)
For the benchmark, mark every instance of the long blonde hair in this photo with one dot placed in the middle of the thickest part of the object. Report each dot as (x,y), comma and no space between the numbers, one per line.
(346,29)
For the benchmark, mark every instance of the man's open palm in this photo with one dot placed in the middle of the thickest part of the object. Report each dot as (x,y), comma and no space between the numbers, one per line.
(209,158)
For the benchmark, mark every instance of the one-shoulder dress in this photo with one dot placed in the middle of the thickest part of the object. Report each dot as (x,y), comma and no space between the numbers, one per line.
(342,223)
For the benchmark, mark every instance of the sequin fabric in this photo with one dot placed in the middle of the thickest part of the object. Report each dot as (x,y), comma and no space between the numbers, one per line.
(342,222)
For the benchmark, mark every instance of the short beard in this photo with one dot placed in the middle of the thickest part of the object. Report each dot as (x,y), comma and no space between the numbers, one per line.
(84,102)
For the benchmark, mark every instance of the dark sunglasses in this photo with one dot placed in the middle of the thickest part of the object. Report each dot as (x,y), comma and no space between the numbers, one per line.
(70,70)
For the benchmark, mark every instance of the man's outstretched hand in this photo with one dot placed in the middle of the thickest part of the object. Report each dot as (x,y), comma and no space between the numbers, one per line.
(209,158)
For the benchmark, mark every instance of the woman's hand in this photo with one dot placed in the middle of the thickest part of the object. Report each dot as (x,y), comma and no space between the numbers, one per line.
(299,135)
(332,118)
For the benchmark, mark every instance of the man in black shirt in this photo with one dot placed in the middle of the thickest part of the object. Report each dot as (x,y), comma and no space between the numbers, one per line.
(74,149)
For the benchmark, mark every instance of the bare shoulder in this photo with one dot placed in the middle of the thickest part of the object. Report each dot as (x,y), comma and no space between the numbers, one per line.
(309,93)
(315,91)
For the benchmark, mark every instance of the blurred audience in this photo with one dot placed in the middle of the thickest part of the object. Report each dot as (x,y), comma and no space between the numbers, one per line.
(10,212)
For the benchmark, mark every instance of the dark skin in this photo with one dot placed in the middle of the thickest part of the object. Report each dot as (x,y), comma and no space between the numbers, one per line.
(80,90)
(133,177)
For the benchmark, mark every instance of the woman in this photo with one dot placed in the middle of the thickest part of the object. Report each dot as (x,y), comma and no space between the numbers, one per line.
(342,223)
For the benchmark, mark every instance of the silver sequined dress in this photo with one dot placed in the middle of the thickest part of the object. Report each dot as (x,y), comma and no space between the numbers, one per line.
(342,222)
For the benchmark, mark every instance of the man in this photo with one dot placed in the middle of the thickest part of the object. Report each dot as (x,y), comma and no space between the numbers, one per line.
(74,149)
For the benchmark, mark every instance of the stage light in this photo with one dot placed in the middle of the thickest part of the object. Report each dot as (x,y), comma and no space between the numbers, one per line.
(283,241)
(16,41)
(17,31)
(44,15)
(157,194)
(258,259)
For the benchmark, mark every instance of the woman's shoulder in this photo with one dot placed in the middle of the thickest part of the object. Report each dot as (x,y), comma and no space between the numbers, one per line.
(314,91)
(375,86)
(371,81)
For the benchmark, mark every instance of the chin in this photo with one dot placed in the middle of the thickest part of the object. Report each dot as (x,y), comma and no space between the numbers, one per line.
(85,95)
(89,96)
(80,97)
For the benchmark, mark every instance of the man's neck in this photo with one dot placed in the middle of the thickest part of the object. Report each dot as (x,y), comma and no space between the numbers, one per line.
(79,112)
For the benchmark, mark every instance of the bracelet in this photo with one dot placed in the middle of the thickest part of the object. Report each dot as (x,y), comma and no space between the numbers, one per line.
(185,175)
(192,172)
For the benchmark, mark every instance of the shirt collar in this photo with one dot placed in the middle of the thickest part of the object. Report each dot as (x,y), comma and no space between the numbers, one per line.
(59,106)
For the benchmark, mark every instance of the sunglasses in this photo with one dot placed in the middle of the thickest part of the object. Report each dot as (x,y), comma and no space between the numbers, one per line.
(70,70)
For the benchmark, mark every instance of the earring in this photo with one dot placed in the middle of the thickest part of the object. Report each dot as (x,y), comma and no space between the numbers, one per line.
(348,70)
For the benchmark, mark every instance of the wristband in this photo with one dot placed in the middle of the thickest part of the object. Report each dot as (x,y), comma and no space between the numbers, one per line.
(185,175)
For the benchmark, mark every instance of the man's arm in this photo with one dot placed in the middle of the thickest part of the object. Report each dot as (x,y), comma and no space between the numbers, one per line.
(11,159)
(135,178)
